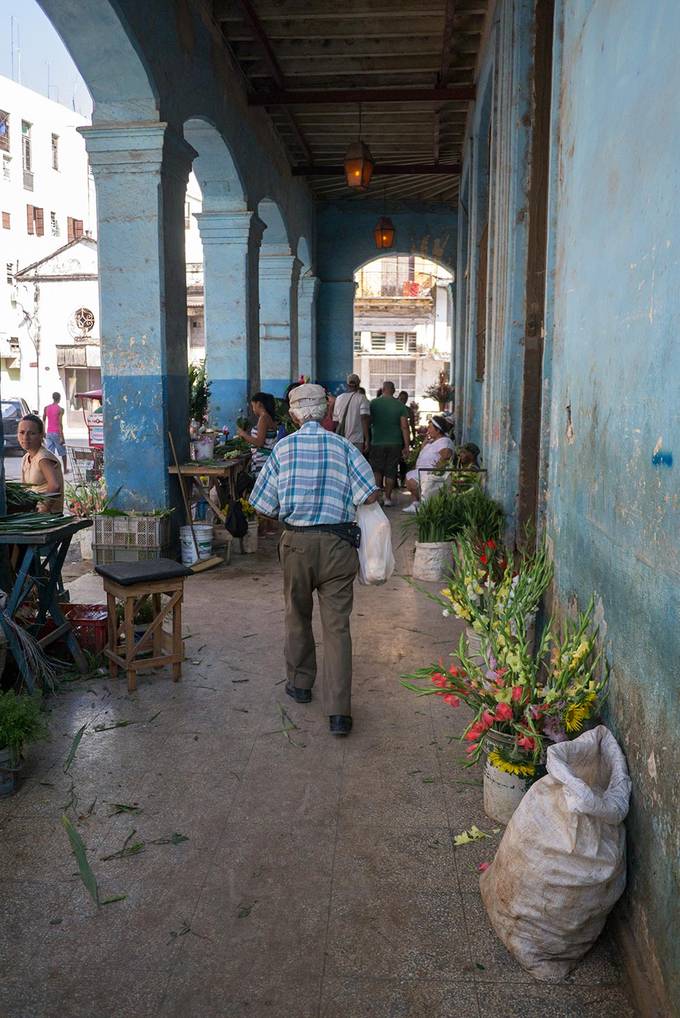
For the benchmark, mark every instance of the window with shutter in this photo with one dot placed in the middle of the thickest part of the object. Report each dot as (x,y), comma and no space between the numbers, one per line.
(77,228)
(29,219)
(39,222)
(6,221)
(4,131)
(69,229)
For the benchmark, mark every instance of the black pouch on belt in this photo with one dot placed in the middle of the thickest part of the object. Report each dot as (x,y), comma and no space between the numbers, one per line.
(350,532)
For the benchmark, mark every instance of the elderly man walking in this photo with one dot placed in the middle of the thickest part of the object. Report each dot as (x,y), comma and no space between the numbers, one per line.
(313,481)
(352,414)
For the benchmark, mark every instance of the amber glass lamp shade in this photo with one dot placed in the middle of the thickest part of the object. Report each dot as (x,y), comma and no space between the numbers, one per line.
(384,233)
(358,166)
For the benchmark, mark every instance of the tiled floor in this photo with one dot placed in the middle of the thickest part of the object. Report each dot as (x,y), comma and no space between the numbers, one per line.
(318,878)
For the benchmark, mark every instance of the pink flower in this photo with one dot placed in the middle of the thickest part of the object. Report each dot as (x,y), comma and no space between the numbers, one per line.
(439,679)
(474,732)
(525,742)
(517,693)
(487,719)
(453,701)
(472,748)
(483,867)
(503,712)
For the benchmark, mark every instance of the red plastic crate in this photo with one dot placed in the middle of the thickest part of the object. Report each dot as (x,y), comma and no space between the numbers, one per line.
(89,625)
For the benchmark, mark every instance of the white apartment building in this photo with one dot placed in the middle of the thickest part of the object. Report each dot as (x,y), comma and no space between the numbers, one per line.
(46,203)
(402,325)
(49,294)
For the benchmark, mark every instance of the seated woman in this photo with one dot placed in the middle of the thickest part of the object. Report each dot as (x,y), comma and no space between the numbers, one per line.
(467,457)
(262,438)
(436,452)
(40,470)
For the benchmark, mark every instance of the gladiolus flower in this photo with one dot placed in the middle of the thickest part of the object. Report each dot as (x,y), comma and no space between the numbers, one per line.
(525,742)
(517,693)
(474,732)
(438,679)
(453,701)
(488,719)
(472,748)
(454,671)
(491,544)
(483,867)
(503,712)
(483,559)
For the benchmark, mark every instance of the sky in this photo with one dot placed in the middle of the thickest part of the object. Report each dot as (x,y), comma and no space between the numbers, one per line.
(39,56)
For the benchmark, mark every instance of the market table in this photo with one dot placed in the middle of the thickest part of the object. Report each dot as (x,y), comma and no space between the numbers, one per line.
(41,557)
(215,472)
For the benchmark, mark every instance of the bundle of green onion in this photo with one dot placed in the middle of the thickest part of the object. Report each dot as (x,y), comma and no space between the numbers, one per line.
(27,522)
(20,498)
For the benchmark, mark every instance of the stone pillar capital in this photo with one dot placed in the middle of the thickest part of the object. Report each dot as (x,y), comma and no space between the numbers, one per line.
(232,226)
(137,147)
(276,262)
(308,286)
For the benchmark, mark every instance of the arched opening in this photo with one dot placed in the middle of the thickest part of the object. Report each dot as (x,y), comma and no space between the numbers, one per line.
(403,329)
(278,282)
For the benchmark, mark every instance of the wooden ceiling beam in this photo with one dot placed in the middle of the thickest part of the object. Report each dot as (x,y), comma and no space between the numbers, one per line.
(253,23)
(384,170)
(334,97)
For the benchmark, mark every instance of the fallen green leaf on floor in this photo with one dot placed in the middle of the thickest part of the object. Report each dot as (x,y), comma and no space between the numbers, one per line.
(183,930)
(72,801)
(241,710)
(116,724)
(482,968)
(236,682)
(114,897)
(89,811)
(80,852)
(467,837)
(414,772)
(124,807)
(129,848)
(288,727)
(74,747)
(47,784)
(428,781)
(153,718)
(174,839)
(245,910)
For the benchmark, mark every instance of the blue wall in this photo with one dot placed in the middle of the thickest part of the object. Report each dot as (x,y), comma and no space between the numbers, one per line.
(344,242)
(613,491)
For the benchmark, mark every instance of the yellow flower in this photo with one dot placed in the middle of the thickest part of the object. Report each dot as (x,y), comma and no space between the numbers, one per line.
(575,716)
(579,654)
(447,594)
(520,770)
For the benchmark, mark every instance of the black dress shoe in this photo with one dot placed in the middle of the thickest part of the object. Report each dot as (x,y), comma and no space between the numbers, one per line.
(299,695)
(341,724)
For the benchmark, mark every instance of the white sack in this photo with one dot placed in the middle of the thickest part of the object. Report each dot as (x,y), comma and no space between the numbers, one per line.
(561,864)
(376,560)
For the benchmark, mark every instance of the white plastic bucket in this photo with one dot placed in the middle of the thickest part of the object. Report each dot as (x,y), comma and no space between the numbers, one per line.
(431,560)
(502,793)
(203,448)
(204,540)
(249,541)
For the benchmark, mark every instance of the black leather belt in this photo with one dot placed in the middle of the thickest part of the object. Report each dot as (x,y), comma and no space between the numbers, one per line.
(349,532)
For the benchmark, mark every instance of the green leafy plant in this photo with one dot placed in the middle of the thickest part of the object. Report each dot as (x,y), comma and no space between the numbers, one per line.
(439,518)
(21,722)
(483,517)
(199,392)
(443,392)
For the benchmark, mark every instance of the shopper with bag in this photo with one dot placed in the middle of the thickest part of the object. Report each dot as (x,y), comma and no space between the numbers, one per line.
(352,414)
(313,482)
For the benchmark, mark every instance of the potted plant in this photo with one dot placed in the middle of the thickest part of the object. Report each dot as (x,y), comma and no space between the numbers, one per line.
(521,699)
(437,522)
(86,499)
(443,392)
(21,722)
(203,438)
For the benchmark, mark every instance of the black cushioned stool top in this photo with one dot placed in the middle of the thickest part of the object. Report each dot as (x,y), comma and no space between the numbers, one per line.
(127,573)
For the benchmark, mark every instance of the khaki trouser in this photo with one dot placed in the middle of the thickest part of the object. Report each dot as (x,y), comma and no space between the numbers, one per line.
(322,562)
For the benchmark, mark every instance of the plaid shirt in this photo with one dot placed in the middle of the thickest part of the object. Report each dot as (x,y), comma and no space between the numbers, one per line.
(313,476)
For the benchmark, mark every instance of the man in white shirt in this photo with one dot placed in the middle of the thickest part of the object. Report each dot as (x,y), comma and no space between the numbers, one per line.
(352,412)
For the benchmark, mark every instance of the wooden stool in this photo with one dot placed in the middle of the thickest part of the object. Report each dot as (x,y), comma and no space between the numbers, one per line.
(133,583)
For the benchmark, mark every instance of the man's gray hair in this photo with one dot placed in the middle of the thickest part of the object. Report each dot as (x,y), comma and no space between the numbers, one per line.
(311,412)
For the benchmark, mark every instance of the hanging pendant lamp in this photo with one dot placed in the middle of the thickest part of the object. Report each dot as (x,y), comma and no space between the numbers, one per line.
(384,233)
(359,163)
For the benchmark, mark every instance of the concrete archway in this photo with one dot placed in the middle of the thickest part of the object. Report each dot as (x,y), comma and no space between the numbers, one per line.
(278,280)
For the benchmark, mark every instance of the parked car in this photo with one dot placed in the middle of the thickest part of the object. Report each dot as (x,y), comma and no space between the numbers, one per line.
(12,412)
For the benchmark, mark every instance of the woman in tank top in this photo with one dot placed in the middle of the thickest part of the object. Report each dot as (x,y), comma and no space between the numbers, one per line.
(262,437)
(40,469)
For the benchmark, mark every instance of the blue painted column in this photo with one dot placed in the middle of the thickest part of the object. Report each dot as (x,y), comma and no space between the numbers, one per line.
(335,330)
(231,245)
(141,171)
(307,294)
(279,275)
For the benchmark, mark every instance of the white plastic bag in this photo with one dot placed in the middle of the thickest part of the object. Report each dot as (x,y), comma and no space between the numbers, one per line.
(376,559)
(561,865)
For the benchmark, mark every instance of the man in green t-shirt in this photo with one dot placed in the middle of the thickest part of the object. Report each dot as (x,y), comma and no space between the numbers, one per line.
(389,438)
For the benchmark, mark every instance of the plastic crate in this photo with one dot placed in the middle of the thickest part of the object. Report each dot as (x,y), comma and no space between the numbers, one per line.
(104,555)
(131,532)
(88,622)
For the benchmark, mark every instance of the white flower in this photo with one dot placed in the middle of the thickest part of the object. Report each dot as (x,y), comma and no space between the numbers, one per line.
(446,613)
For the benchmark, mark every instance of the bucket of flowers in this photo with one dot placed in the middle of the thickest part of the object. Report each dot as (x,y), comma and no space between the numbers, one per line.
(522,698)
(249,541)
